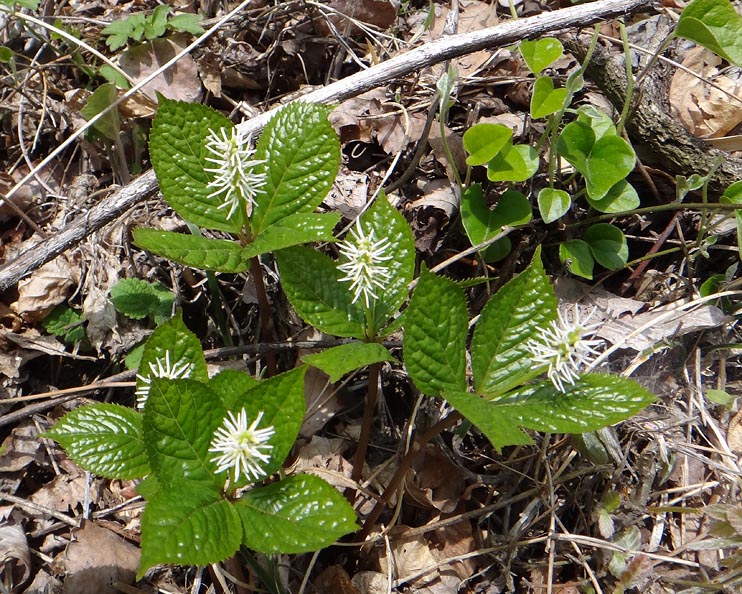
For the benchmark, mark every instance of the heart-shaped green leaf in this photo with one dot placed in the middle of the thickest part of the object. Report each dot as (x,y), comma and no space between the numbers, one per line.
(297,514)
(483,141)
(482,223)
(575,254)
(435,336)
(105,439)
(714,24)
(541,53)
(553,204)
(545,99)
(621,197)
(514,163)
(611,160)
(575,143)
(608,245)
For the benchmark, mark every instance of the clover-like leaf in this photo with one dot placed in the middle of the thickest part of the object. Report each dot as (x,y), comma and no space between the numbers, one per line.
(545,99)
(517,312)
(342,359)
(312,284)
(219,255)
(301,151)
(553,204)
(482,223)
(179,422)
(514,163)
(540,53)
(435,333)
(177,145)
(611,160)
(298,514)
(593,402)
(483,141)
(575,143)
(188,525)
(621,197)
(105,439)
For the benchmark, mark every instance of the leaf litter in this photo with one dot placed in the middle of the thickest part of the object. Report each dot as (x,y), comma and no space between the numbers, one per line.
(470,520)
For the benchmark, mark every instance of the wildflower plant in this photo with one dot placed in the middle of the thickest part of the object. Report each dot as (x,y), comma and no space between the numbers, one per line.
(202,447)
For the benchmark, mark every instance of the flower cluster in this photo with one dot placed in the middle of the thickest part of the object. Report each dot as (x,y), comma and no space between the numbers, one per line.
(161,368)
(565,347)
(234,179)
(242,448)
(363,267)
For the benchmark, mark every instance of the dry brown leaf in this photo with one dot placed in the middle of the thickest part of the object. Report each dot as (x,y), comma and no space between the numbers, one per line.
(180,81)
(323,457)
(410,556)
(33,344)
(435,481)
(322,402)
(97,559)
(44,583)
(455,145)
(734,433)
(380,13)
(704,110)
(47,287)
(349,194)
(335,580)
(15,557)
(21,447)
(371,582)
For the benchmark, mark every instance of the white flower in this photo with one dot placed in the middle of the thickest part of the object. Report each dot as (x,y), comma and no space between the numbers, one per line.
(240,447)
(161,368)
(566,348)
(234,180)
(363,267)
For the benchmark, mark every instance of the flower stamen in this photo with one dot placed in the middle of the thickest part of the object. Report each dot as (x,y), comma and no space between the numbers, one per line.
(242,449)
(161,367)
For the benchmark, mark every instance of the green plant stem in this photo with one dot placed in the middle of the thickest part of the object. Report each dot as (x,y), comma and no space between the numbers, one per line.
(417,446)
(266,321)
(660,208)
(372,396)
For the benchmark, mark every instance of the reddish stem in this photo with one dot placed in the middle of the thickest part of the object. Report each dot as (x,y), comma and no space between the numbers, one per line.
(264,307)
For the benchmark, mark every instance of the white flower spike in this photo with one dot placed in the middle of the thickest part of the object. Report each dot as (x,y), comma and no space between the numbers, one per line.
(363,266)
(241,448)
(161,368)
(566,348)
(234,181)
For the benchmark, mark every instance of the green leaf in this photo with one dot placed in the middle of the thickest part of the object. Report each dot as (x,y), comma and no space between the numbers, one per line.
(514,163)
(490,420)
(156,23)
(482,223)
(524,306)
(553,204)
(173,342)
(180,418)
(387,222)
(435,334)
(598,121)
(65,322)
(575,143)
(720,397)
(137,299)
(103,97)
(733,195)
(484,141)
(119,32)
(611,160)
(576,255)
(281,400)
(595,401)
(188,525)
(105,439)
(186,22)
(298,514)
(621,197)
(545,99)
(219,255)
(294,230)
(177,146)
(339,360)
(540,53)
(231,384)
(302,155)
(608,245)
(715,25)
(312,284)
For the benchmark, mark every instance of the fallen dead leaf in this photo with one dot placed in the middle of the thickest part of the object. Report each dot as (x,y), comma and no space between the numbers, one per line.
(15,557)
(411,556)
(435,481)
(46,288)
(21,447)
(349,194)
(97,559)
(380,13)
(734,433)
(335,580)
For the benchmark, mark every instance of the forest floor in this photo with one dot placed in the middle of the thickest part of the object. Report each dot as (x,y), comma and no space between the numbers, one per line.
(651,504)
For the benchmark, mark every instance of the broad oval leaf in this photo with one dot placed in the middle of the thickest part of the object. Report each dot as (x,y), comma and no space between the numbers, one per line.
(434,340)
(312,284)
(293,230)
(611,160)
(230,384)
(545,99)
(342,359)
(540,53)
(621,197)
(714,24)
(593,402)
(301,151)
(177,146)
(553,204)
(575,143)
(575,254)
(219,255)
(514,163)
(105,439)
(298,514)
(517,312)
(188,525)
(608,245)
(483,141)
